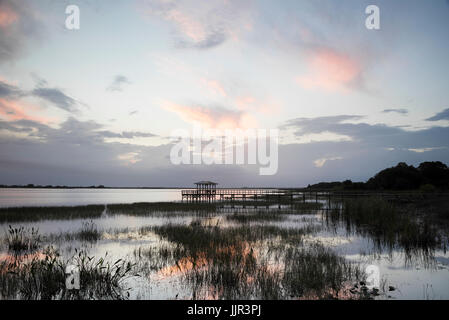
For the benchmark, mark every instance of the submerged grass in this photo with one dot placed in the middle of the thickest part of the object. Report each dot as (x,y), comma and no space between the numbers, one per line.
(246,262)
(21,239)
(317,271)
(49,213)
(256,217)
(199,209)
(88,232)
(43,277)
(95,211)
(148,208)
(387,225)
(294,205)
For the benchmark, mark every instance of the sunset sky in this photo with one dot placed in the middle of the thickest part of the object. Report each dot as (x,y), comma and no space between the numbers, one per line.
(98,105)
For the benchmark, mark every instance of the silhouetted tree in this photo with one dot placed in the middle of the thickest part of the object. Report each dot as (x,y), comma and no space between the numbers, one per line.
(435,173)
(401,177)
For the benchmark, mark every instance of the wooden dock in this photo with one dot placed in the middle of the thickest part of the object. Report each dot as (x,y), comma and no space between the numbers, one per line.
(288,195)
(230,194)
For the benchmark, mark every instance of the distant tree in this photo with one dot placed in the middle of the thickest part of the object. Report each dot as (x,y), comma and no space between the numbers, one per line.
(435,173)
(427,188)
(401,177)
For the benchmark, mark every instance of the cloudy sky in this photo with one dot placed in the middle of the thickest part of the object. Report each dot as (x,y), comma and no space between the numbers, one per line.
(98,105)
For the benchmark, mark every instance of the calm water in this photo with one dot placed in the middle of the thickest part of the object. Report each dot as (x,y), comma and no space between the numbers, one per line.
(412,278)
(72,197)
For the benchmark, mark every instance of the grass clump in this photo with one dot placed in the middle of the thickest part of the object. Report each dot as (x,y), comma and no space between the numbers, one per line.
(21,239)
(88,232)
(43,277)
(247,262)
(150,208)
(49,213)
(387,225)
(255,217)
(317,271)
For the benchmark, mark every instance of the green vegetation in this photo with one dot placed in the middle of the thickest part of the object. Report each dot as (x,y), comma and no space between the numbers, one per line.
(49,213)
(21,239)
(241,262)
(433,175)
(148,208)
(88,232)
(43,277)
(95,211)
(387,225)
(255,217)
(317,271)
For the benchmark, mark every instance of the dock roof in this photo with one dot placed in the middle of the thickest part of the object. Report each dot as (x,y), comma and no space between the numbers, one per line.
(206,182)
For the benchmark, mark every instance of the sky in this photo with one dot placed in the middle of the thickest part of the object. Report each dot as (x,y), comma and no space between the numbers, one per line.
(99,105)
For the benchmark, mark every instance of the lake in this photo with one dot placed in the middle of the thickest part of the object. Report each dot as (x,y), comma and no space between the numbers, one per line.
(222,251)
(12,197)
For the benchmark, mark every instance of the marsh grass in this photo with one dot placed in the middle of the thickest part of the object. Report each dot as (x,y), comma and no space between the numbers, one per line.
(292,205)
(164,208)
(246,262)
(387,225)
(156,258)
(256,217)
(49,213)
(88,232)
(42,277)
(307,206)
(22,239)
(316,271)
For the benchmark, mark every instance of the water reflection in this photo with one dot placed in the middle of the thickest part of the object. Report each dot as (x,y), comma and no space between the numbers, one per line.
(248,258)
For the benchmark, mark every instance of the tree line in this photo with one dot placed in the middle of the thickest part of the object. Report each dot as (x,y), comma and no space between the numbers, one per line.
(428,176)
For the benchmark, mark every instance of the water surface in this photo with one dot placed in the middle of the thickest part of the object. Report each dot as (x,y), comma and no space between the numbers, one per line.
(36,197)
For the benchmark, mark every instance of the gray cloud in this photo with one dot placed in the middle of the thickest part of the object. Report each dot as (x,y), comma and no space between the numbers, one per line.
(5,125)
(77,153)
(54,95)
(57,97)
(127,134)
(400,111)
(9,91)
(201,27)
(212,40)
(443,115)
(118,82)
(20,26)
(70,131)
(379,135)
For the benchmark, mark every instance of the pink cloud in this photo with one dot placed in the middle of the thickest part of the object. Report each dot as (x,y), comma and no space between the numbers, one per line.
(202,26)
(214,86)
(188,25)
(250,103)
(216,118)
(330,70)
(12,111)
(7,16)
